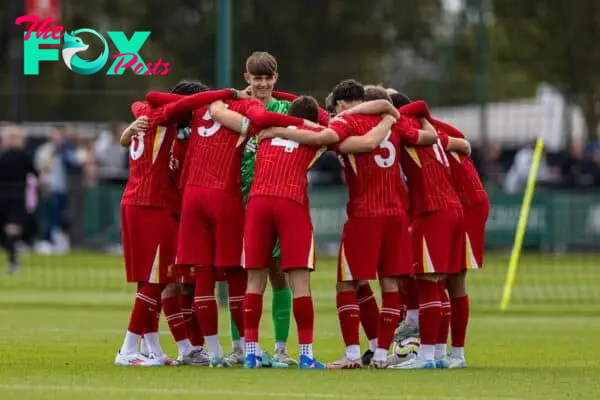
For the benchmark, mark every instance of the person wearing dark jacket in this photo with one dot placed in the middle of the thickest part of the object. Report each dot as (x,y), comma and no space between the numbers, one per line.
(15,166)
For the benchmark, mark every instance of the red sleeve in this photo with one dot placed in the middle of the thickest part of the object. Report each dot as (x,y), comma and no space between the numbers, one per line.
(284,96)
(259,116)
(416,109)
(161,98)
(444,138)
(139,108)
(342,126)
(323,117)
(448,129)
(253,130)
(405,129)
(190,103)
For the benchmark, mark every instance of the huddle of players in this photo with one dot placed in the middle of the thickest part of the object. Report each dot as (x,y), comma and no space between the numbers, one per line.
(220,238)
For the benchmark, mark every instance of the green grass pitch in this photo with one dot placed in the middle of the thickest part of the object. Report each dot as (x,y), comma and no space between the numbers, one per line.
(62,320)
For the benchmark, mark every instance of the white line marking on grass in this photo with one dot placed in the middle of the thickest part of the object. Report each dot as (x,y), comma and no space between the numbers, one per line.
(240,393)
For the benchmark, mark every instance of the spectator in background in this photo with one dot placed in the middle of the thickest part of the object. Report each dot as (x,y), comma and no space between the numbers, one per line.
(326,171)
(15,166)
(490,167)
(592,169)
(516,177)
(570,168)
(55,159)
(111,158)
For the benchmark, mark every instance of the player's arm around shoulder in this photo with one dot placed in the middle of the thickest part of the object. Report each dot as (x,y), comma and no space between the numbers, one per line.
(459,146)
(139,125)
(372,139)
(373,107)
(426,136)
(316,138)
(230,119)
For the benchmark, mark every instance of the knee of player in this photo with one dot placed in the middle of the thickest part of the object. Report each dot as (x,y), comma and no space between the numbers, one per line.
(188,289)
(171,290)
(300,281)
(349,286)
(277,278)
(257,280)
(456,285)
(388,285)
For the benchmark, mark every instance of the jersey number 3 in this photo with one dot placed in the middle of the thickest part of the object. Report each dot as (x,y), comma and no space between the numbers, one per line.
(386,162)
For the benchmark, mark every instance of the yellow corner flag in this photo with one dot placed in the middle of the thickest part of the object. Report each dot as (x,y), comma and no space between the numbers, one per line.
(513,264)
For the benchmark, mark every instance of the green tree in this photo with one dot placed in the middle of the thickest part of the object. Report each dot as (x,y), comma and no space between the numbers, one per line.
(555,41)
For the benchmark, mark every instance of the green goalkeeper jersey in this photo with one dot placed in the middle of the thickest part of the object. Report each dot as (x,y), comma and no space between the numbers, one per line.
(249,156)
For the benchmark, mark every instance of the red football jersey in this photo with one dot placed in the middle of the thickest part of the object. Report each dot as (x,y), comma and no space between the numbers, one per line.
(149,161)
(374,179)
(281,168)
(466,179)
(176,160)
(430,183)
(214,152)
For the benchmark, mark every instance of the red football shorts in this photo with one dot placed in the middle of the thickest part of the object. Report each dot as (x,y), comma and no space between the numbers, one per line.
(149,243)
(476,216)
(375,247)
(211,229)
(438,242)
(268,218)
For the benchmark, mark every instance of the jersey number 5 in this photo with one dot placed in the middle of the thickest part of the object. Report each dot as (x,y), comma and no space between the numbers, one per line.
(386,162)
(207,132)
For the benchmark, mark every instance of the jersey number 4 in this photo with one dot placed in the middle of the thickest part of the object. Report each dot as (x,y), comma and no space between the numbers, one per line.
(289,145)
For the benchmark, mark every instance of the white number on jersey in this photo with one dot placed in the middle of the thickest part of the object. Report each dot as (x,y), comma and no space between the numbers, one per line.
(207,132)
(289,145)
(440,154)
(391,158)
(136,148)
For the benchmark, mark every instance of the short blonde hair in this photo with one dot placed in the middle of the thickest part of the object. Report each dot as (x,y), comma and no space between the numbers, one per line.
(376,92)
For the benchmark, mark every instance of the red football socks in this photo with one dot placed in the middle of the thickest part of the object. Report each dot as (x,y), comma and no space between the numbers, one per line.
(304,315)
(430,310)
(446,312)
(193,329)
(175,319)
(388,319)
(349,316)
(253,303)
(236,281)
(409,293)
(145,307)
(459,320)
(369,311)
(205,304)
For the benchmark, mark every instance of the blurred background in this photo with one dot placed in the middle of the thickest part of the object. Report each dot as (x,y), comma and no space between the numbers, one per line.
(503,71)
